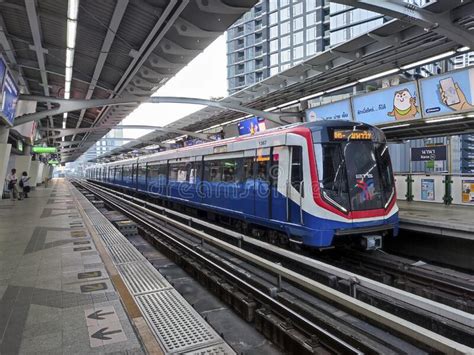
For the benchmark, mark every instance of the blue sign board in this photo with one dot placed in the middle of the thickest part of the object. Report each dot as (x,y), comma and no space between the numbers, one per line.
(394,104)
(251,125)
(10,98)
(448,93)
(340,110)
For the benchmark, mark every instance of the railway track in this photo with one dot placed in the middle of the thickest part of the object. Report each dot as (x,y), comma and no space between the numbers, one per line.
(450,287)
(295,284)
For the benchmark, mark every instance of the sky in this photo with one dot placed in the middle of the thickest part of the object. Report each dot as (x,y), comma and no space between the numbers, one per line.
(204,77)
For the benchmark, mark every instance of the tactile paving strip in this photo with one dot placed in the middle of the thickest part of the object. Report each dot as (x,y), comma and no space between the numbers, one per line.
(110,235)
(141,278)
(124,253)
(175,323)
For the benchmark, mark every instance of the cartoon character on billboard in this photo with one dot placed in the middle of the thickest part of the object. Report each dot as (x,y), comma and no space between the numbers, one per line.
(404,105)
(452,95)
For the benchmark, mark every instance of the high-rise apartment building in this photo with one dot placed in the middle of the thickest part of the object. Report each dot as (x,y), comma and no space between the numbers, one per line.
(272,37)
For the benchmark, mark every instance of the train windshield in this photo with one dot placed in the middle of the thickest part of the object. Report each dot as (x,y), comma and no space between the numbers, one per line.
(355,175)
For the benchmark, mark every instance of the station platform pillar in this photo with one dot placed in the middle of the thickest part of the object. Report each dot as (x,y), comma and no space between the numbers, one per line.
(5,150)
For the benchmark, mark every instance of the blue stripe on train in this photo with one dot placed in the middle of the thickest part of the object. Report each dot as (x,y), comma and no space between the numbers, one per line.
(316,231)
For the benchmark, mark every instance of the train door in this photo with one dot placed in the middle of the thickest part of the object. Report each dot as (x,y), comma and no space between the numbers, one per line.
(296,186)
(262,183)
(247,187)
(278,178)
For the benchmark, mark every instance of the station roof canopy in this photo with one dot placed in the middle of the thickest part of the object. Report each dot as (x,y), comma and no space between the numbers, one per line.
(122,47)
(395,44)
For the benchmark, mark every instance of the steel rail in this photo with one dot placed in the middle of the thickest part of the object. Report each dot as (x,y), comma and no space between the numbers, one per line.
(381,317)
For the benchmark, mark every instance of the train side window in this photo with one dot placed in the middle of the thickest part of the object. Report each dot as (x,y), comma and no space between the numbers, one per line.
(247,169)
(229,170)
(296,167)
(211,171)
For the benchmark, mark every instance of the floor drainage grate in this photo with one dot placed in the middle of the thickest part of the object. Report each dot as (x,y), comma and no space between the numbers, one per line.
(175,323)
(142,278)
(124,253)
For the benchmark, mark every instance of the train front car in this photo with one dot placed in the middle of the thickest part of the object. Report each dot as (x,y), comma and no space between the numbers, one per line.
(353,186)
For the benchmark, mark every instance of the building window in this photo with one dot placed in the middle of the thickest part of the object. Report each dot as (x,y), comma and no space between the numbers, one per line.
(273,18)
(311,34)
(274,59)
(310,48)
(297,9)
(284,2)
(285,56)
(284,14)
(298,38)
(284,28)
(273,71)
(272,5)
(273,45)
(311,5)
(274,32)
(311,19)
(298,52)
(285,66)
(285,42)
(298,23)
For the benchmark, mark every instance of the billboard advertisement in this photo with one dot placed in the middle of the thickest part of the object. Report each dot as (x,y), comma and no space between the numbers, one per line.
(251,125)
(394,104)
(340,110)
(3,71)
(468,191)
(427,189)
(448,93)
(10,98)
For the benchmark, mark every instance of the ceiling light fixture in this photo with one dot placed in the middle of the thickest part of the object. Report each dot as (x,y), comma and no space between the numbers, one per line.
(312,96)
(337,88)
(72,11)
(379,75)
(396,126)
(428,60)
(445,119)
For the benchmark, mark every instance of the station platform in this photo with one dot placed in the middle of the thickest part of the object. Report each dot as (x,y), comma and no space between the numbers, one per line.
(71,283)
(435,232)
(439,219)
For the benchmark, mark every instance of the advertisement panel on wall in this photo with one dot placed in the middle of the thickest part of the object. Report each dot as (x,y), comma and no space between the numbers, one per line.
(3,71)
(448,93)
(468,191)
(340,110)
(394,104)
(10,99)
(251,125)
(427,189)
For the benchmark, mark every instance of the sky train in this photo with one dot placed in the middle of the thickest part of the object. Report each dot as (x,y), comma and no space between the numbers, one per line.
(314,184)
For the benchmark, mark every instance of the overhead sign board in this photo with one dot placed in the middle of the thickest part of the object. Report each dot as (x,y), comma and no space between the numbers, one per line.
(394,104)
(429,153)
(9,99)
(40,149)
(340,110)
(448,93)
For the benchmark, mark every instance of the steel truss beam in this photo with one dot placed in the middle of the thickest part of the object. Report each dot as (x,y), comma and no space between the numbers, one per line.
(75,104)
(441,23)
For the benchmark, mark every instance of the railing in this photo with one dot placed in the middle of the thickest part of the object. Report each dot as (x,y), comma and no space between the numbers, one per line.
(436,188)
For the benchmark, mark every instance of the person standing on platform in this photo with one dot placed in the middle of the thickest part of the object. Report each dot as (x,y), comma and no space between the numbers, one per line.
(12,181)
(25,184)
